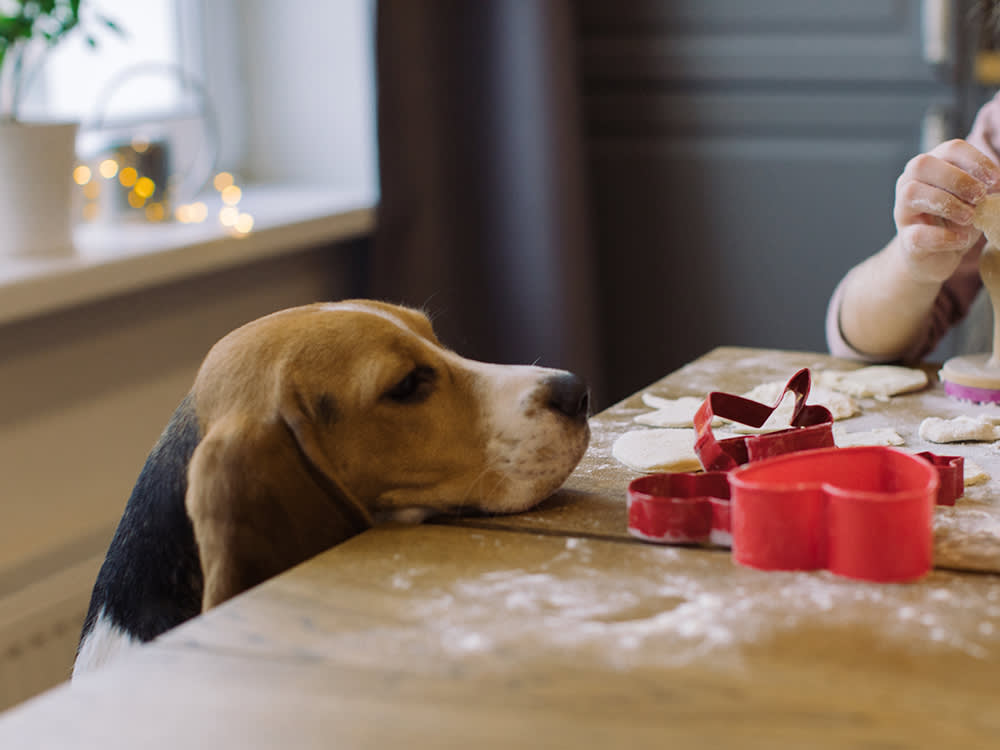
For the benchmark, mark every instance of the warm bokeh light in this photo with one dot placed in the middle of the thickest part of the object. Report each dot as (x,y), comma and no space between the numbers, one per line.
(128,177)
(228,216)
(198,212)
(92,190)
(144,187)
(222,181)
(108,168)
(135,200)
(140,145)
(81,175)
(155,211)
(244,223)
(231,195)
(90,211)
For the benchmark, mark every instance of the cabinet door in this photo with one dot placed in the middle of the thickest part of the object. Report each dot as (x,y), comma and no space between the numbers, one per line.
(804,41)
(743,156)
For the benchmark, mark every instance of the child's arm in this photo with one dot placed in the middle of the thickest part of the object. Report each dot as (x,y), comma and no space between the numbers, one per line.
(887,302)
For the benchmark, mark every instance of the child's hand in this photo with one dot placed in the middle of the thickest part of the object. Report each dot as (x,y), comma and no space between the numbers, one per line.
(935,197)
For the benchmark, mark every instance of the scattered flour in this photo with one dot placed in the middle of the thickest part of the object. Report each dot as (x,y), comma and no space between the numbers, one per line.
(665,616)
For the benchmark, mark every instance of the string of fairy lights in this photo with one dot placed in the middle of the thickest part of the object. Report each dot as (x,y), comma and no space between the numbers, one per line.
(148,199)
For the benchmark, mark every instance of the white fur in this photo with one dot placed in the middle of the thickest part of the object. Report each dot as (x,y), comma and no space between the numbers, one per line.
(104,643)
(531,445)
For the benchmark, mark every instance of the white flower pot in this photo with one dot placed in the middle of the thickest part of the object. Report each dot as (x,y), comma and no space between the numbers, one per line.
(36,188)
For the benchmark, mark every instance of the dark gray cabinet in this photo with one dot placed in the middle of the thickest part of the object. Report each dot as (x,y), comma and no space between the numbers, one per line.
(743,155)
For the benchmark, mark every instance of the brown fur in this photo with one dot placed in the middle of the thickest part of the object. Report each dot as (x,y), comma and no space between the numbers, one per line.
(304,444)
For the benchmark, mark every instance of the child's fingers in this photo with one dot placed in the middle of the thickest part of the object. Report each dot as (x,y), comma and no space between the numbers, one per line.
(969,159)
(931,169)
(916,199)
(925,240)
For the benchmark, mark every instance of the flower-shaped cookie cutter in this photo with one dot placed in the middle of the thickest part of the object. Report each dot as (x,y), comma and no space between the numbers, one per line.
(811,427)
(680,508)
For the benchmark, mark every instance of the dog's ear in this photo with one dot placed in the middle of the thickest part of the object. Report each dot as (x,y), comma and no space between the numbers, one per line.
(259,506)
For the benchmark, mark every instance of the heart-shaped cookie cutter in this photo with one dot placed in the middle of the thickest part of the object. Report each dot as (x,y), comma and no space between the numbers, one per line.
(811,426)
(862,512)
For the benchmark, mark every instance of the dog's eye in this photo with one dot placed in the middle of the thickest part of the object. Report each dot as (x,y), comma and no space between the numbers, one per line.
(416,386)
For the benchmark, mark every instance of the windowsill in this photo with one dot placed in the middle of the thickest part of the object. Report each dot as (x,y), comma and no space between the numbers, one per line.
(111,259)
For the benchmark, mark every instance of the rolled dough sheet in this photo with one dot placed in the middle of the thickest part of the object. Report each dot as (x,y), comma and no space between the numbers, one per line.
(960,429)
(657,449)
(876,381)
(877,436)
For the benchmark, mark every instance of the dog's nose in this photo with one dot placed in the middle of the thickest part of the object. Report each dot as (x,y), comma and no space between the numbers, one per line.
(569,395)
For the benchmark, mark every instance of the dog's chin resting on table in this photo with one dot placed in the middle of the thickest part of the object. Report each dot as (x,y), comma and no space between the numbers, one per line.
(306,427)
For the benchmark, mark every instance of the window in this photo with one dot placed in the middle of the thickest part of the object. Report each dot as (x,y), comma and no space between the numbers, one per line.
(84,84)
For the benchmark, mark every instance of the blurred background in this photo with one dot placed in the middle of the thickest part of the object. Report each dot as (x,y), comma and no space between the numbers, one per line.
(612,188)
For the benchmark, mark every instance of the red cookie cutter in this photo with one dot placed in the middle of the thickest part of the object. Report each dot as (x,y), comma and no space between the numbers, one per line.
(811,427)
(861,512)
(680,508)
(951,473)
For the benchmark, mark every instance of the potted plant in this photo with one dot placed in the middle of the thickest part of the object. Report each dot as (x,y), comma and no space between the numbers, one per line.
(36,158)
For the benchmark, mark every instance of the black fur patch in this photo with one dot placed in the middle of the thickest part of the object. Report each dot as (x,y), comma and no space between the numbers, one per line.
(151,579)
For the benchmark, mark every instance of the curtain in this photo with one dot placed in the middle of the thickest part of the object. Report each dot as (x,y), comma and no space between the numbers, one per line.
(483,219)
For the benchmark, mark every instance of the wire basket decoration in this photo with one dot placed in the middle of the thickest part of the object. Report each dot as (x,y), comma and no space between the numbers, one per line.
(131,170)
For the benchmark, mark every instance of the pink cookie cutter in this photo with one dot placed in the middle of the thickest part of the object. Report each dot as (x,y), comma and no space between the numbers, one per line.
(811,427)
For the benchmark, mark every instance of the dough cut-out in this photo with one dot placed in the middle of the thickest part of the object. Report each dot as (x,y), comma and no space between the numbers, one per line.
(974,473)
(841,405)
(657,449)
(876,436)
(960,429)
(876,381)
(671,412)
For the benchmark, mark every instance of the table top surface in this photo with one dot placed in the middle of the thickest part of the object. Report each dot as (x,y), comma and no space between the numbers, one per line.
(554,628)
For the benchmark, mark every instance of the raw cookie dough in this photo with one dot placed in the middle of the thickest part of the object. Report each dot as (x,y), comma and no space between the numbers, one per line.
(671,412)
(877,436)
(653,449)
(974,473)
(958,429)
(986,218)
(840,405)
(876,381)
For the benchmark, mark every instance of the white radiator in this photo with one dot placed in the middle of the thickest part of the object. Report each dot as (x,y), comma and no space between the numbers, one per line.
(39,627)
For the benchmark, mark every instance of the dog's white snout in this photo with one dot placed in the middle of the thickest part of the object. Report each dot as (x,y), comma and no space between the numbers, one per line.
(569,395)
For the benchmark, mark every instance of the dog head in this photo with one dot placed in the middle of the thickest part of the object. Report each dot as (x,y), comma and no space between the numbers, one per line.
(319,419)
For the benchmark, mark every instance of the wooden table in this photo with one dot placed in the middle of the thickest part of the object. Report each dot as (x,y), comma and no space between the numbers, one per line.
(555,629)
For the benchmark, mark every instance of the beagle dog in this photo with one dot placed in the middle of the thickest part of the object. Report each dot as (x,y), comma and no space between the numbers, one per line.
(306,427)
